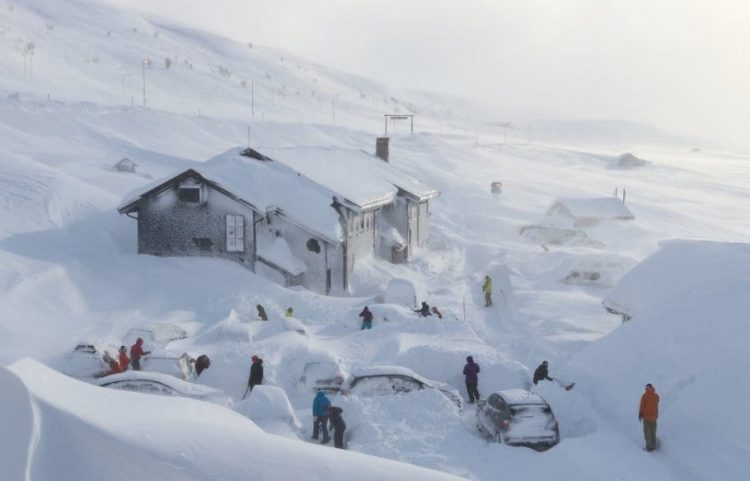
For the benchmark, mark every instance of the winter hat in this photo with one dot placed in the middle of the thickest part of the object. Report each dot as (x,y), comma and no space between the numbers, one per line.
(139,340)
(254,358)
(469,359)
(544,362)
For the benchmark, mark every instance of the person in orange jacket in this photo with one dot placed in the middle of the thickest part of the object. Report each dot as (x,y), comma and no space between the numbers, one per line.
(648,413)
(124,360)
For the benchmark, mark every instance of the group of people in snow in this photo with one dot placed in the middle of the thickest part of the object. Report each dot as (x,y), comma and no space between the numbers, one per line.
(424,311)
(648,411)
(123,362)
(324,413)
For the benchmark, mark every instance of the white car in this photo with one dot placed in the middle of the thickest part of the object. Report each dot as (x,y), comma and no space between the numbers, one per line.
(380,380)
(325,375)
(162,384)
(86,360)
(169,362)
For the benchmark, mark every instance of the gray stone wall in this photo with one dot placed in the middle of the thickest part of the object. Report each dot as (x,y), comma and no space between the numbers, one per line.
(170,227)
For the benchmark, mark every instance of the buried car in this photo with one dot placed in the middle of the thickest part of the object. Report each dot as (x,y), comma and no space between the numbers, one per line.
(162,384)
(87,360)
(518,417)
(380,380)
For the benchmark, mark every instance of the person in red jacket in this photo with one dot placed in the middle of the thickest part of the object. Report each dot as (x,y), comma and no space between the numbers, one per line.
(648,413)
(136,352)
(124,360)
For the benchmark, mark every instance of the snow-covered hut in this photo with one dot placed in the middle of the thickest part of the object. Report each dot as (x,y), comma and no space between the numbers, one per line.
(125,165)
(588,212)
(284,219)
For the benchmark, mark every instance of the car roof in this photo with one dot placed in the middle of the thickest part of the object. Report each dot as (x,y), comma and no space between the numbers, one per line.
(183,387)
(521,396)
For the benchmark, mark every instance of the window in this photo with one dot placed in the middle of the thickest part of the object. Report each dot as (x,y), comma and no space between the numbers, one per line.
(189,194)
(313,246)
(235,233)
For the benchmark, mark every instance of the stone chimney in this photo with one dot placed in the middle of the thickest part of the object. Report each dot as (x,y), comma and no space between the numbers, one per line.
(381,148)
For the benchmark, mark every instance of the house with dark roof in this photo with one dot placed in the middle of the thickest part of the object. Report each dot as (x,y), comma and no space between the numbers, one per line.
(297,216)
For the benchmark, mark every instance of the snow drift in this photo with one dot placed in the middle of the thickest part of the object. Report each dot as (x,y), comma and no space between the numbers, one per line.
(688,336)
(57,428)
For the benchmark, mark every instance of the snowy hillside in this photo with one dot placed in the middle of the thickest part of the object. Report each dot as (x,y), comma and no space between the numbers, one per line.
(69,272)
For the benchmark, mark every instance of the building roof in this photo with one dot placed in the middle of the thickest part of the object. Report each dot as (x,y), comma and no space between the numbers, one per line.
(264,185)
(360,177)
(597,208)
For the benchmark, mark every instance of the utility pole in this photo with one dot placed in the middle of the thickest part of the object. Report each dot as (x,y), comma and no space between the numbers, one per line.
(145,62)
(252,102)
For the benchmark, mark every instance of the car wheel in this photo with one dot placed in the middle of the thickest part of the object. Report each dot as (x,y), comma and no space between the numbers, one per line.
(480,426)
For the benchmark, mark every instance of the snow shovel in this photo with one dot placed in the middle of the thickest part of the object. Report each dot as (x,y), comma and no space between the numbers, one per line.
(565,385)
(246,391)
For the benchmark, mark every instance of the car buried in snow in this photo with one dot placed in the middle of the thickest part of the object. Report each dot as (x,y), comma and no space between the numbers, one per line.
(383,380)
(518,418)
(162,384)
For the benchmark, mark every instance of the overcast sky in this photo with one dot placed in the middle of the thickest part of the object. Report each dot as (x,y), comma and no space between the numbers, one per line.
(683,65)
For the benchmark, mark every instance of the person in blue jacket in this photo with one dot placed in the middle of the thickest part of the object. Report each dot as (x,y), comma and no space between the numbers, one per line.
(320,416)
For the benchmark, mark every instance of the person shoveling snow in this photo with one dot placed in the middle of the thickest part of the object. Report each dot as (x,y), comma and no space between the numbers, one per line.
(541,373)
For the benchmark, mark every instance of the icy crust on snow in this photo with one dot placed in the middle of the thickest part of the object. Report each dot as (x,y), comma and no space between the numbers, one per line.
(267,186)
(53,424)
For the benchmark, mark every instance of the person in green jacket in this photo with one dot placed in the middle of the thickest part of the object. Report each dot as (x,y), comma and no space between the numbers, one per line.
(487,289)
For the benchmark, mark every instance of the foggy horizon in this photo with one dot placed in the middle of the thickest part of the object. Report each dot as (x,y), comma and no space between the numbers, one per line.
(680,66)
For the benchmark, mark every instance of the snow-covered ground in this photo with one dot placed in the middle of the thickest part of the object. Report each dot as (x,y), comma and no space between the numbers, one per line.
(69,272)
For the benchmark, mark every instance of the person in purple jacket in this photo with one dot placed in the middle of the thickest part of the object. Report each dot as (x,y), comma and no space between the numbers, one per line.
(471,371)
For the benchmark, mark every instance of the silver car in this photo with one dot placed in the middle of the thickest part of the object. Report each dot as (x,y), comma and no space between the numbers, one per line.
(377,380)
(518,417)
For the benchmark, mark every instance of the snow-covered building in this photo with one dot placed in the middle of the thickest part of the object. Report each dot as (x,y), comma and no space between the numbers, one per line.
(588,212)
(298,216)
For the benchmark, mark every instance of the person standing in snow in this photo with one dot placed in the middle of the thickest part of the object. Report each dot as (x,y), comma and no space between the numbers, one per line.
(541,373)
(471,373)
(424,310)
(648,413)
(289,312)
(256,372)
(338,425)
(123,359)
(366,316)
(487,290)
(321,403)
(201,364)
(261,313)
(136,352)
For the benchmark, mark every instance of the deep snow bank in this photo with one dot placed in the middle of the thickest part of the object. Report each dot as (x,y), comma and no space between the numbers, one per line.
(82,432)
(688,336)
